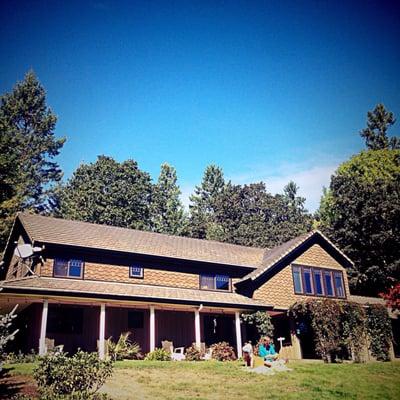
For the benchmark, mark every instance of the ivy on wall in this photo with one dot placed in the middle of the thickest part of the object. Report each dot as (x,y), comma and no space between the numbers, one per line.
(379,331)
(346,325)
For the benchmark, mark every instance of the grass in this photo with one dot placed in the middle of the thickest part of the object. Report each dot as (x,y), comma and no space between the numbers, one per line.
(215,380)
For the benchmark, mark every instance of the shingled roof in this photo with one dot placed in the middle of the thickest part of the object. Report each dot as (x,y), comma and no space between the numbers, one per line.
(94,236)
(70,287)
(273,256)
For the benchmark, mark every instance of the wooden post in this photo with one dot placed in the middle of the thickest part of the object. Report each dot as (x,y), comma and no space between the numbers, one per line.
(152,329)
(102,331)
(197,328)
(238,334)
(43,327)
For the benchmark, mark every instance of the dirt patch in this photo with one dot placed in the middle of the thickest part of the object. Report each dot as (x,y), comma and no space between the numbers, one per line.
(12,385)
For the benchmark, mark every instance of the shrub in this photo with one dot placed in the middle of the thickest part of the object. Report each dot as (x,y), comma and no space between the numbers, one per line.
(124,348)
(379,331)
(193,354)
(15,358)
(158,355)
(222,351)
(77,377)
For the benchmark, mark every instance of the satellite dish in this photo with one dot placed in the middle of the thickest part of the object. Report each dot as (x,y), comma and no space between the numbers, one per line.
(25,250)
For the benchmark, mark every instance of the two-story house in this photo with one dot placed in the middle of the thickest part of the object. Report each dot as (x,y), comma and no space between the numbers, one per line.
(87,282)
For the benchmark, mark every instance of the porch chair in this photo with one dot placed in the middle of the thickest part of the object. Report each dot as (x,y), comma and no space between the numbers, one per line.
(48,345)
(177,353)
(206,353)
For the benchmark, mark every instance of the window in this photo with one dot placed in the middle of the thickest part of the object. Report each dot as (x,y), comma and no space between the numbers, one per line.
(215,282)
(308,288)
(298,287)
(318,282)
(339,284)
(135,271)
(68,269)
(135,320)
(328,283)
(319,287)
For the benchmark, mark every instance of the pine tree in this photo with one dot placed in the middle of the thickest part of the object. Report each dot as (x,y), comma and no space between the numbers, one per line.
(167,213)
(378,122)
(27,147)
(203,201)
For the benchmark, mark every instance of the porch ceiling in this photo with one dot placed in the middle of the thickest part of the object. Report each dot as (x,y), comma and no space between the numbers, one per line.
(128,291)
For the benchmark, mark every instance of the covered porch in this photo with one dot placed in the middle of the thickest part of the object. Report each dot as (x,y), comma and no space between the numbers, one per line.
(86,324)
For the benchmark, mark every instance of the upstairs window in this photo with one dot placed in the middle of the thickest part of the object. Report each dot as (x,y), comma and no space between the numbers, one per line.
(136,271)
(318,282)
(215,282)
(68,268)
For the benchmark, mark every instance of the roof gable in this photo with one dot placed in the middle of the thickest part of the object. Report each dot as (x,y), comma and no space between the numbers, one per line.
(287,252)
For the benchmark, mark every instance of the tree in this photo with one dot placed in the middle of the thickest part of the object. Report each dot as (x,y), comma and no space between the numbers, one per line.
(27,147)
(249,215)
(167,212)
(202,207)
(362,215)
(378,122)
(107,192)
(6,335)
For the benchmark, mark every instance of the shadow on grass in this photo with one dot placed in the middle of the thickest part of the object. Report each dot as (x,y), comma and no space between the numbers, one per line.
(12,385)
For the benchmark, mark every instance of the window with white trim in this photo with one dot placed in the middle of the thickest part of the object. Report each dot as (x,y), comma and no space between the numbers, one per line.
(215,282)
(135,271)
(68,268)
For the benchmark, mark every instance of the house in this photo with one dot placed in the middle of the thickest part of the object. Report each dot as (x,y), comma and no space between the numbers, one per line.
(87,282)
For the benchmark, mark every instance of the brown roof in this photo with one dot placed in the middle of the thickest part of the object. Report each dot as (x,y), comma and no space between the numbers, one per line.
(132,291)
(271,257)
(84,234)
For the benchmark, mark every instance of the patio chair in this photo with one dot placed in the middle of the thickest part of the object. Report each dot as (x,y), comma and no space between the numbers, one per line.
(177,353)
(48,345)
(206,353)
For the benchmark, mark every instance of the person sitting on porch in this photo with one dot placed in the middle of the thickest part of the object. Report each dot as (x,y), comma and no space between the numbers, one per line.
(266,349)
(248,354)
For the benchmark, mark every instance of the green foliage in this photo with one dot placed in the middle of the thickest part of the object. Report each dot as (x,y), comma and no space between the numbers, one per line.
(262,322)
(17,358)
(27,147)
(222,351)
(249,215)
(167,214)
(6,335)
(107,192)
(380,331)
(353,329)
(192,353)
(158,355)
(78,377)
(375,134)
(123,348)
(202,207)
(361,216)
(346,324)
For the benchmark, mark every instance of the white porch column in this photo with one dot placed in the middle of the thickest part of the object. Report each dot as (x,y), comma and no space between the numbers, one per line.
(102,331)
(197,328)
(238,334)
(152,329)
(43,327)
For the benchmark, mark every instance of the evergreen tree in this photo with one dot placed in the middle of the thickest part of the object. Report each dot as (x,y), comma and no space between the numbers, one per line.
(378,122)
(202,207)
(167,212)
(27,147)
(107,192)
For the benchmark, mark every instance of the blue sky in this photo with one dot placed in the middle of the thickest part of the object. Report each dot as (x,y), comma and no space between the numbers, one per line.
(268,90)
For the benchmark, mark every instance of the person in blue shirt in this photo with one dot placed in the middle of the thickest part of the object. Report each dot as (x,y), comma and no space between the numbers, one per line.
(266,350)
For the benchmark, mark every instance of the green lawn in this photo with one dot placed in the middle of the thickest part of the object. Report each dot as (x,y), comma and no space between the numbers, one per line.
(214,380)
